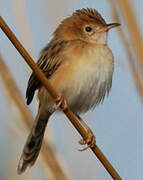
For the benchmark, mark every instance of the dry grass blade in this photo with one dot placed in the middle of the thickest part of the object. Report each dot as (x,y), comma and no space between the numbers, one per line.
(133,28)
(15,96)
(22,25)
(136,73)
(54,94)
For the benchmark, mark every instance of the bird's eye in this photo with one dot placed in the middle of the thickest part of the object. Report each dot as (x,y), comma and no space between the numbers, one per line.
(88,29)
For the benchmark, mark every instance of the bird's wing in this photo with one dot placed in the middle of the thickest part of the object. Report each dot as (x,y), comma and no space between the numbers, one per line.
(49,61)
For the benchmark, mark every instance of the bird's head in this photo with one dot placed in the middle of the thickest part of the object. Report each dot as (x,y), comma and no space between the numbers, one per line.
(85,24)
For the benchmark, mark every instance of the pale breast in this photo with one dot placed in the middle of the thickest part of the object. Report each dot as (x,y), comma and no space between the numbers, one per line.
(83,79)
(91,79)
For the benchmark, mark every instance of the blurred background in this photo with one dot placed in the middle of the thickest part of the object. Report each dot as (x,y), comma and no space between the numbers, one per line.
(117,123)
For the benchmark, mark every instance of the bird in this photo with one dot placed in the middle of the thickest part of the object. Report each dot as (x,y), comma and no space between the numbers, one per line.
(79,65)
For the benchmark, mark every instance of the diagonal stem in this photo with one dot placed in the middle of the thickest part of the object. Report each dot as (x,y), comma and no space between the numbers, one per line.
(54,94)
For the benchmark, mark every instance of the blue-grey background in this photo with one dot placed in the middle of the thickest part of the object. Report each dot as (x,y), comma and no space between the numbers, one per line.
(117,123)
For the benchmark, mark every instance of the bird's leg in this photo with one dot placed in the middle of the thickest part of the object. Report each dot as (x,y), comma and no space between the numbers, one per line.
(60,102)
(90,141)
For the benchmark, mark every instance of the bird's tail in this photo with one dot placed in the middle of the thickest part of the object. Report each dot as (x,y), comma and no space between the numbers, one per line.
(34,141)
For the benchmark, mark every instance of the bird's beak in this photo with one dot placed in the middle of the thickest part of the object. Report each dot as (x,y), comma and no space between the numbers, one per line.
(110,26)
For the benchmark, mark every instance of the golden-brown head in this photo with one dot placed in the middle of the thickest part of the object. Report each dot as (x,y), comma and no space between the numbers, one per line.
(85,24)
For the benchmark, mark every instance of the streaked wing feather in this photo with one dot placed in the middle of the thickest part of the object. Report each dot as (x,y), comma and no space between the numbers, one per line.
(48,62)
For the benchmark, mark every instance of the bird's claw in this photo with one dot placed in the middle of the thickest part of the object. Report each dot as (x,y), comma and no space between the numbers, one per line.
(60,102)
(90,141)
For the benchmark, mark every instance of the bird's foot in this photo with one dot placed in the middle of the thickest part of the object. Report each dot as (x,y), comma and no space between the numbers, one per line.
(60,102)
(90,141)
